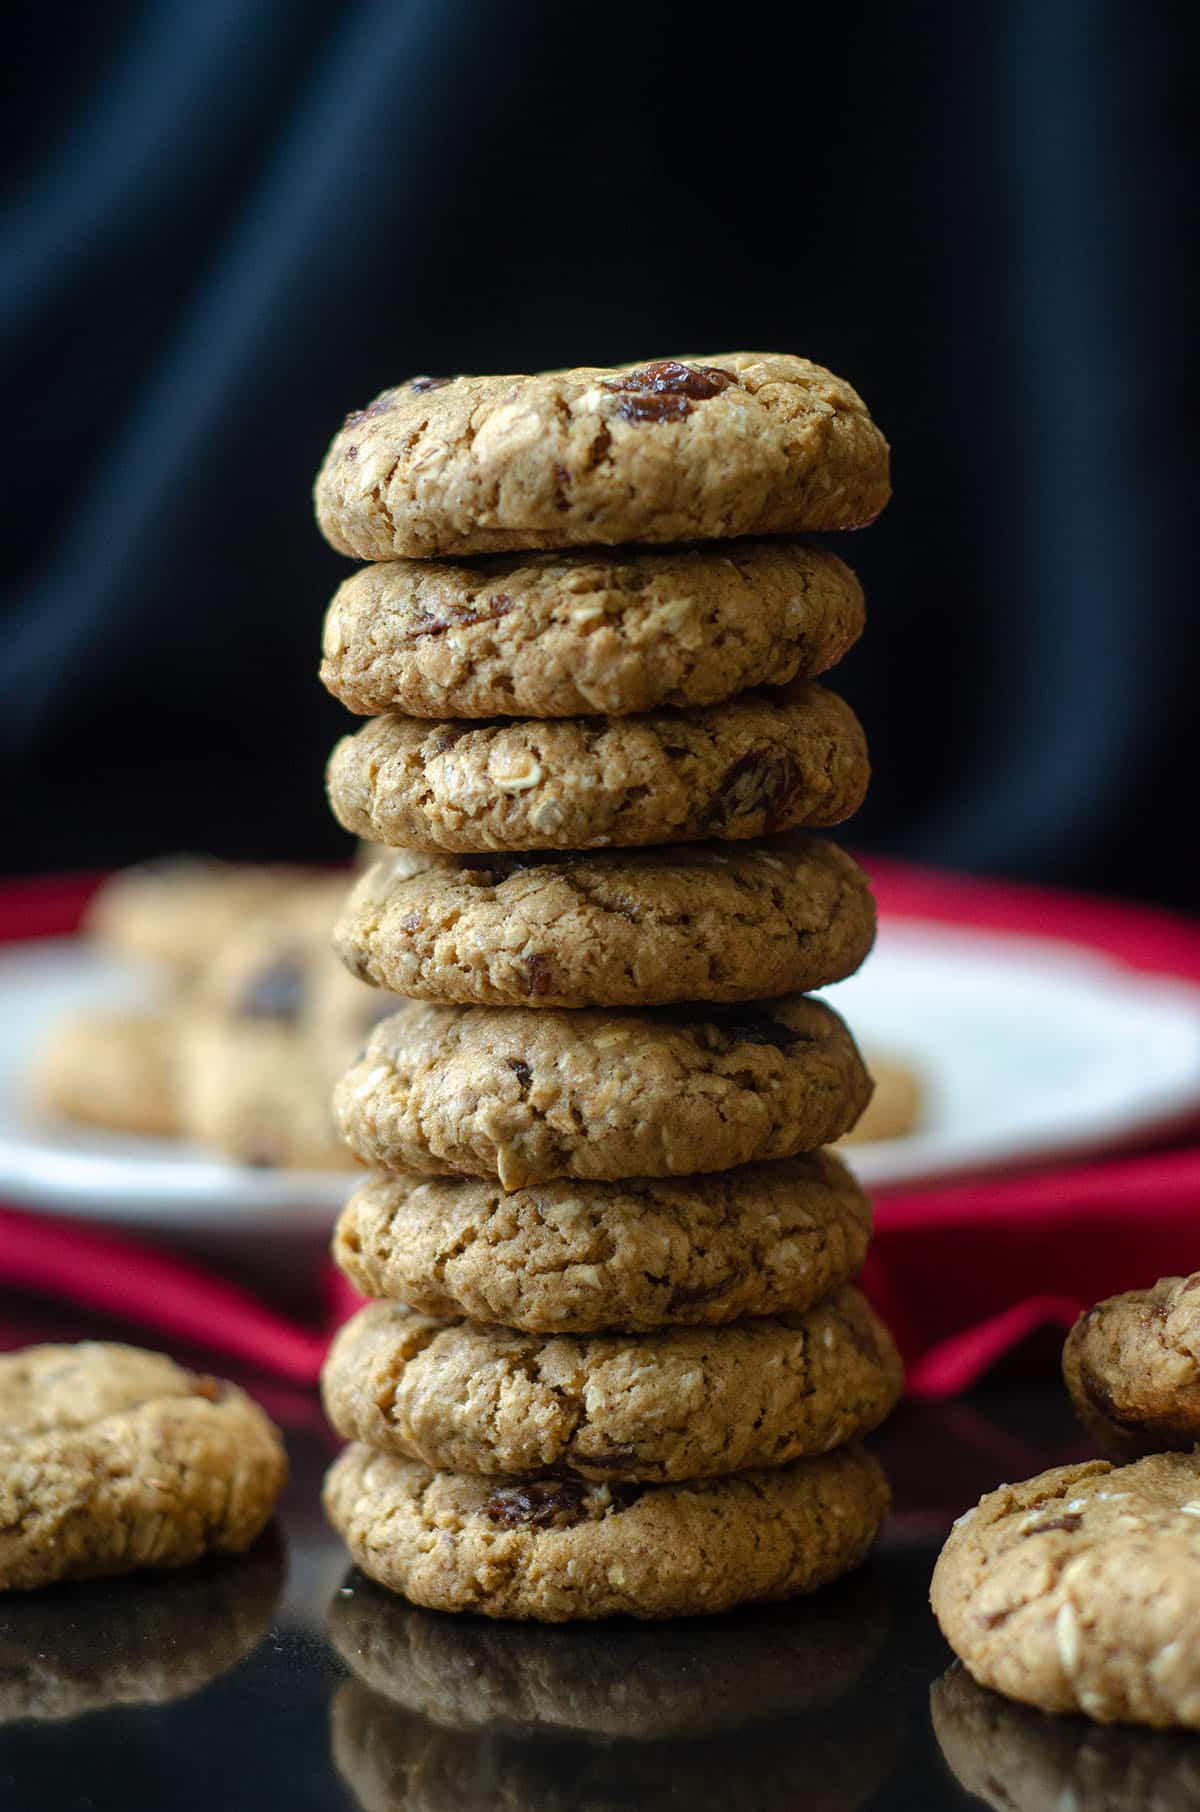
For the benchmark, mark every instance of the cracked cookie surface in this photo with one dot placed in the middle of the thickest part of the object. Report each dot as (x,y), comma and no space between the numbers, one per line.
(113,1459)
(704,921)
(739,443)
(1132,1366)
(560,1549)
(1079,1590)
(678,1403)
(572,1257)
(563,635)
(604,1093)
(767,761)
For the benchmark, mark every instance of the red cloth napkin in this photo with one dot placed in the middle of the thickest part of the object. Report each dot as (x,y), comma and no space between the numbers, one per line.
(963,1271)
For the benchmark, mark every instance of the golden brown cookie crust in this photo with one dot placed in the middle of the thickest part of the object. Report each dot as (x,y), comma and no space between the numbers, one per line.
(572,1257)
(675,1404)
(564,635)
(705,921)
(1079,1590)
(1132,1366)
(113,1459)
(731,444)
(525,1097)
(768,761)
(556,1550)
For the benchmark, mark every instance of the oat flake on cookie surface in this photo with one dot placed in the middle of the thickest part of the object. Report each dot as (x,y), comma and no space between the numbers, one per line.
(1079,1590)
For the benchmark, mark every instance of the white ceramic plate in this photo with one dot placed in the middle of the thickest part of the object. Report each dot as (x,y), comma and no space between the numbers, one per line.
(1028,1050)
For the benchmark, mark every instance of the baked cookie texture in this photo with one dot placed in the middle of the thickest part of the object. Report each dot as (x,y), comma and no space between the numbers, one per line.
(704,921)
(572,1257)
(606,1094)
(767,761)
(1018,1760)
(730,444)
(631,1684)
(113,1459)
(116,1070)
(565,635)
(1132,1366)
(559,1549)
(147,1639)
(1079,1590)
(678,1403)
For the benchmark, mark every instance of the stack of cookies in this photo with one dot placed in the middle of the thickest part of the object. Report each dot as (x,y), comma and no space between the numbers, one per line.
(615,1362)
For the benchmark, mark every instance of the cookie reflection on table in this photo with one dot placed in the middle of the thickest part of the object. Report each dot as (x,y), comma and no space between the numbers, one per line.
(634,1682)
(142,1639)
(1021,1760)
(394,1761)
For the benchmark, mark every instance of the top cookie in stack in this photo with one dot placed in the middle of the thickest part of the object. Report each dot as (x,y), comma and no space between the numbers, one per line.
(576,757)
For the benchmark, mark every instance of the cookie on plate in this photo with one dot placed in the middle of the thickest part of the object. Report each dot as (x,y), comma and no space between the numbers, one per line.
(604,1094)
(705,921)
(558,1549)
(572,1257)
(1018,1760)
(259,1093)
(895,1108)
(1079,1590)
(1132,1366)
(113,1459)
(634,1684)
(767,761)
(731,444)
(678,1403)
(562,635)
(116,1070)
(179,912)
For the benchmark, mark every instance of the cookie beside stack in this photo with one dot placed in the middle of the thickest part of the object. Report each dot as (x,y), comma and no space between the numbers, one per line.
(616,1362)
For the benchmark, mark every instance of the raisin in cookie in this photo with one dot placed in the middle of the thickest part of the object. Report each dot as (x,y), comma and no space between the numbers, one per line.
(1079,1590)
(502,1092)
(705,921)
(571,1257)
(739,443)
(678,1403)
(562,635)
(1132,1366)
(113,1459)
(558,1549)
(767,761)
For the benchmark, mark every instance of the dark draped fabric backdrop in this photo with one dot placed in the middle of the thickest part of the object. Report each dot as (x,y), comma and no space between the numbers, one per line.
(226,222)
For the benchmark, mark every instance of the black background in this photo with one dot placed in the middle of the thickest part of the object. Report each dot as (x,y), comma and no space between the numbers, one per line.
(229,221)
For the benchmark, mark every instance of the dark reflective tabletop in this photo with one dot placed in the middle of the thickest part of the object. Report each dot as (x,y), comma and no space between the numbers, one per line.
(286,1679)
